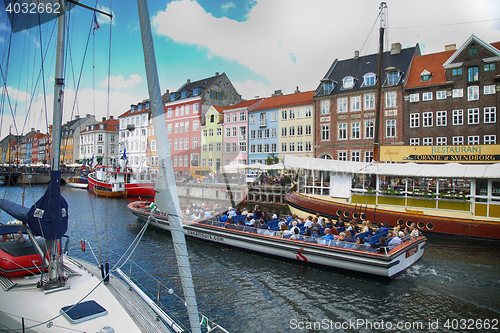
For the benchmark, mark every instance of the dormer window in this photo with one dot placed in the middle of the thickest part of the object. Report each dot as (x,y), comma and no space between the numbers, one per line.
(425,75)
(348,82)
(473,49)
(393,76)
(369,79)
(327,86)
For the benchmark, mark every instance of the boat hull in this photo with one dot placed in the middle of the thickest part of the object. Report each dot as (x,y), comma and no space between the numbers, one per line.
(387,265)
(133,190)
(77,182)
(304,205)
(18,259)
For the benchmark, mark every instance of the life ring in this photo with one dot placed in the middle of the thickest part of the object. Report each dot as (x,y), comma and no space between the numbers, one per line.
(82,244)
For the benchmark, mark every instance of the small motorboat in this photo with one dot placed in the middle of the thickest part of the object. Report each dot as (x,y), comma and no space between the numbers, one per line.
(77,181)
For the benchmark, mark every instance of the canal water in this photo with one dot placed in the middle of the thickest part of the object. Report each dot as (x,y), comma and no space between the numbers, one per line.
(455,287)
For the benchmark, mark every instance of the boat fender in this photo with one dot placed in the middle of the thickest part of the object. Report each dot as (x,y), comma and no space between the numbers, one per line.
(107,329)
(82,245)
(106,269)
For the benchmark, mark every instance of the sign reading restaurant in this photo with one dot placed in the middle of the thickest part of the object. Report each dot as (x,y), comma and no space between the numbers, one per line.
(441,154)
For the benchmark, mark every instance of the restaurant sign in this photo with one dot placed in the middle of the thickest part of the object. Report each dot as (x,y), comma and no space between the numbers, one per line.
(441,154)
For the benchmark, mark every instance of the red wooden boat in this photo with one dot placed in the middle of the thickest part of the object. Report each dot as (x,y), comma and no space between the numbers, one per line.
(137,184)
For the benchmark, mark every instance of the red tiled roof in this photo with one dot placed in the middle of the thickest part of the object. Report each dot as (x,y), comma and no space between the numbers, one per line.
(244,104)
(496,45)
(433,63)
(287,100)
(129,112)
(110,125)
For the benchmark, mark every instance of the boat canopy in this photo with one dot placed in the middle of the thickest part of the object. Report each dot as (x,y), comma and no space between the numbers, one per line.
(448,170)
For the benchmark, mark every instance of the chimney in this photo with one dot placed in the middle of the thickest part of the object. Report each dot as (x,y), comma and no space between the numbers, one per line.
(277,93)
(77,116)
(167,92)
(103,118)
(356,54)
(450,47)
(133,107)
(395,48)
(216,73)
(297,90)
(188,81)
(111,117)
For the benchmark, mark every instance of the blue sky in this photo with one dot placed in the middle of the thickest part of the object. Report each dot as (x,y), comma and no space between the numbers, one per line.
(262,46)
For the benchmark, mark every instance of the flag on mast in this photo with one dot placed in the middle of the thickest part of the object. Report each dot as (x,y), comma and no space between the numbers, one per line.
(95,24)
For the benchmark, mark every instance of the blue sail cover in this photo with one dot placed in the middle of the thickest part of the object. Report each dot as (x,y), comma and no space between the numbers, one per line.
(49,215)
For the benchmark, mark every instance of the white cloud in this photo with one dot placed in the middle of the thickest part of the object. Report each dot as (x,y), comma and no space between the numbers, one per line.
(17,95)
(104,19)
(225,7)
(119,82)
(294,42)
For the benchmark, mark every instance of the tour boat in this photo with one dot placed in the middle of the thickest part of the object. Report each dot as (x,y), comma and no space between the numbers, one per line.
(317,251)
(452,199)
(137,184)
(77,181)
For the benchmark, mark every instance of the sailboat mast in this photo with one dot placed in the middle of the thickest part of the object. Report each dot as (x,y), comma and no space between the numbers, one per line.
(378,99)
(166,189)
(58,88)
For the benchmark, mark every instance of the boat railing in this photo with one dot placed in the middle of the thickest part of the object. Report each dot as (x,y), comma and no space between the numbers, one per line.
(279,234)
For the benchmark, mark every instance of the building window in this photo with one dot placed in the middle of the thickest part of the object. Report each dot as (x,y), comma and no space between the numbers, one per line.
(393,78)
(414,120)
(325,132)
(369,101)
(243,146)
(210,147)
(414,141)
(234,145)
(342,104)
(252,149)
(456,71)
(473,74)
(489,90)
(228,147)
(252,119)
(219,131)
(473,116)
(308,129)
(473,140)
(175,161)
(342,155)
(228,132)
(427,119)
(181,143)
(490,115)
(283,131)
(369,79)
(300,146)
(266,133)
(325,106)
(458,140)
(186,126)
(390,128)
(368,156)
(308,112)
(457,93)
(274,132)
(355,131)
(283,147)
(300,130)
(414,97)
(205,132)
(342,131)
(243,116)
(473,93)
(490,139)
(218,146)
(196,125)
(211,132)
(274,148)
(284,115)
(390,99)
(292,147)
(274,115)
(427,96)
(355,156)
(234,130)
(356,103)
(489,67)
(291,114)
(204,148)
(441,141)
(427,141)
(308,146)
(458,117)
(441,118)
(195,143)
(441,94)
(291,131)
(369,128)
(348,82)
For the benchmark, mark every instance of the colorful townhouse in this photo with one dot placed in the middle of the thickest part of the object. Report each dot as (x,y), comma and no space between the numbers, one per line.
(99,143)
(212,138)
(235,131)
(134,135)
(186,110)
(451,97)
(345,102)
